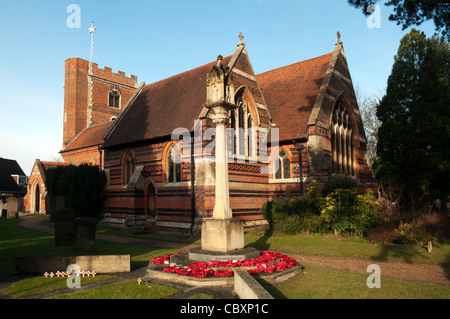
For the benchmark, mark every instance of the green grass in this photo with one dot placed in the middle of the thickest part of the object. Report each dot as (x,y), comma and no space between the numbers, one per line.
(201,296)
(330,245)
(37,285)
(18,241)
(320,283)
(128,289)
(312,283)
(105,230)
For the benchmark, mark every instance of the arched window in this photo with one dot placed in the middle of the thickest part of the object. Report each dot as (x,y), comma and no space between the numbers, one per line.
(342,141)
(249,135)
(282,165)
(114,99)
(242,123)
(128,167)
(173,164)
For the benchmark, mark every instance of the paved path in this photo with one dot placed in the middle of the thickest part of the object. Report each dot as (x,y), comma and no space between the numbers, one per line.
(417,272)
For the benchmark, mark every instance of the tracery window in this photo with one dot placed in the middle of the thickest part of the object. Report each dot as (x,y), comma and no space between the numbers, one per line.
(242,123)
(128,167)
(282,165)
(342,148)
(173,164)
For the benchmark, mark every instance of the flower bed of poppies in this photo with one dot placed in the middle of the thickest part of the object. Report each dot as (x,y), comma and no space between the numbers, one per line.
(267,262)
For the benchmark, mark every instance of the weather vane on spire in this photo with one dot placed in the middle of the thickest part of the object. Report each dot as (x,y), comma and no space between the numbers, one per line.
(91,31)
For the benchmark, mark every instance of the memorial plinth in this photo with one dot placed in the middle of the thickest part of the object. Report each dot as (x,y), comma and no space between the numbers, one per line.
(222,235)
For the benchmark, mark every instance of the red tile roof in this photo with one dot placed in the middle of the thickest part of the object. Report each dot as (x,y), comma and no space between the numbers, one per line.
(90,136)
(50,165)
(175,102)
(290,93)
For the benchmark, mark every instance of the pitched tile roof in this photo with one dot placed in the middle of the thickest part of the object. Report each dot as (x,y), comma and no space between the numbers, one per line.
(7,168)
(290,93)
(50,165)
(11,167)
(162,106)
(175,102)
(90,136)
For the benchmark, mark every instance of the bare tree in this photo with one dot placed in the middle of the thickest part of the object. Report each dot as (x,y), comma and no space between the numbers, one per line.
(368,109)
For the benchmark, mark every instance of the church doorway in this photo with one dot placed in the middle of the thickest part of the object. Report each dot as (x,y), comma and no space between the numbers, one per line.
(35,198)
(150,199)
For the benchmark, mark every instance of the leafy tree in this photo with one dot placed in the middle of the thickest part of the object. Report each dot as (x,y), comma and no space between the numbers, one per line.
(414,12)
(413,140)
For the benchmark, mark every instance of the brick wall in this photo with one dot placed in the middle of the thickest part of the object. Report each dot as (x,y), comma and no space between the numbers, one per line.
(86,95)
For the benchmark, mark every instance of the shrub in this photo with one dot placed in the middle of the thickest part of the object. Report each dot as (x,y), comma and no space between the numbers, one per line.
(344,210)
(338,182)
(82,186)
(383,234)
(289,225)
(411,233)
(288,215)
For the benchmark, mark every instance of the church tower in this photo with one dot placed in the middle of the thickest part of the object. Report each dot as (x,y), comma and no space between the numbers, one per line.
(92,95)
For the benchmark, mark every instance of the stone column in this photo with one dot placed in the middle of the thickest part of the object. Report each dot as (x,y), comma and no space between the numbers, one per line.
(222,208)
(221,233)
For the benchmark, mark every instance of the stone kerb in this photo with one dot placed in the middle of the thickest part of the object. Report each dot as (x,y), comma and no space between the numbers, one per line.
(98,263)
(247,287)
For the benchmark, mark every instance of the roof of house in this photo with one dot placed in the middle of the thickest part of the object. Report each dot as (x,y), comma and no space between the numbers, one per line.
(290,93)
(9,167)
(162,106)
(90,136)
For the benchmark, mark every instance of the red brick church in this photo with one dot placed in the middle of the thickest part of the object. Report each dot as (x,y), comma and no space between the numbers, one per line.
(292,125)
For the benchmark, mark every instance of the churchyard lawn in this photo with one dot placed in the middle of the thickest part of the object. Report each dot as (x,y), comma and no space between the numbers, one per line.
(313,282)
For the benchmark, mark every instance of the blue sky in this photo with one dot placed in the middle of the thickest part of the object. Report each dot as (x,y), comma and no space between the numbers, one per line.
(157,39)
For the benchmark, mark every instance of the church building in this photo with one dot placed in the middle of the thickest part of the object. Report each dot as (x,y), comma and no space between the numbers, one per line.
(291,125)
(155,142)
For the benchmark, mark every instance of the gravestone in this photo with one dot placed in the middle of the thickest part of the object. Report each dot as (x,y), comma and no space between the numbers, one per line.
(3,207)
(12,210)
(55,205)
(64,227)
(84,237)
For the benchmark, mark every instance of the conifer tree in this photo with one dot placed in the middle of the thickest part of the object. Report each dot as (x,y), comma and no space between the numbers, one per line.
(414,138)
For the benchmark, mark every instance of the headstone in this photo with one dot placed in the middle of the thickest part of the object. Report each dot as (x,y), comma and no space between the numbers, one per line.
(12,210)
(84,237)
(3,208)
(55,205)
(64,227)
